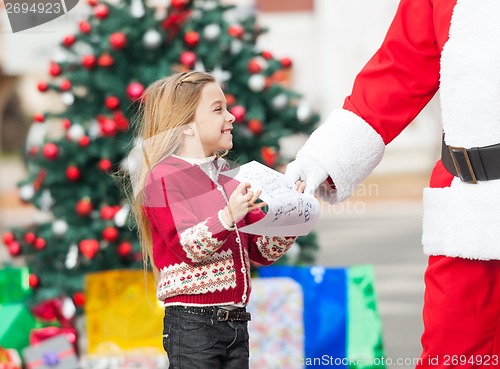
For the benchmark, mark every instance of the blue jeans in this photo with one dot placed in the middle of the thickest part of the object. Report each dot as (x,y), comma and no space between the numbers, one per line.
(201,342)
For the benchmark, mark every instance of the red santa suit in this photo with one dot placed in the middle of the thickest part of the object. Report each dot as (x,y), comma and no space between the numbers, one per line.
(453,46)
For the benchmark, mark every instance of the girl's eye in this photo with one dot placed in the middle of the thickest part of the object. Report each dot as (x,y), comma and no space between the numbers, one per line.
(218,109)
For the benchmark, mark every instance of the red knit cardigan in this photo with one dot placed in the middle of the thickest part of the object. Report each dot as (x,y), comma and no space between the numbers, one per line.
(201,262)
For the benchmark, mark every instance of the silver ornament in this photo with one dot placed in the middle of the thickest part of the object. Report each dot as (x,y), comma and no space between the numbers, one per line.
(137,9)
(26,192)
(59,227)
(151,39)
(211,32)
(121,216)
(71,257)
(304,112)
(68,98)
(76,132)
(257,82)
(279,101)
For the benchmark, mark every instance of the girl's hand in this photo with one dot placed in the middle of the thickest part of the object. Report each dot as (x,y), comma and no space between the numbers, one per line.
(300,186)
(241,202)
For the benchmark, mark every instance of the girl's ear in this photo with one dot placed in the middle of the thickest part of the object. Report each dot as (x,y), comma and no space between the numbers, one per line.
(188,130)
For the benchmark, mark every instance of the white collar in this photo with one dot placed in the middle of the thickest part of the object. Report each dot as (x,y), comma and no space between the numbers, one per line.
(197,161)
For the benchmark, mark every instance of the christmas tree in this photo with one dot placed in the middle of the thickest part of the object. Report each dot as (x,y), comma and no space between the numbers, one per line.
(100,76)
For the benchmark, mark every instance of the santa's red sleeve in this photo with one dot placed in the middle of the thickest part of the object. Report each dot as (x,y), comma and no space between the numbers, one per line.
(388,93)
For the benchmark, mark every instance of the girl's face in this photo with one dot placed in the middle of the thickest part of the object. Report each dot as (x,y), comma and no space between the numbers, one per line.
(213,121)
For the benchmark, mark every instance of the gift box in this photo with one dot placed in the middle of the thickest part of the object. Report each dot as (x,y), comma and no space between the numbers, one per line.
(14,285)
(276,329)
(341,321)
(53,353)
(9,359)
(121,310)
(16,324)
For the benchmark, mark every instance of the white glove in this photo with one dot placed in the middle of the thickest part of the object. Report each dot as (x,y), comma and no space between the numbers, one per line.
(309,170)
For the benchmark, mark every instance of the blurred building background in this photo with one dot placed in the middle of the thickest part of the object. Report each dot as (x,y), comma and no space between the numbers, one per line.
(328,42)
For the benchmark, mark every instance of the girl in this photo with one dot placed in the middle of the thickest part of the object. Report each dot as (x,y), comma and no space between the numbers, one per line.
(188,221)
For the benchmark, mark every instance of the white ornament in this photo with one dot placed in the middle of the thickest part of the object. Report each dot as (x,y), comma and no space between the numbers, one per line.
(94,130)
(257,82)
(279,101)
(71,257)
(137,9)
(46,201)
(26,192)
(76,132)
(208,5)
(211,31)
(304,112)
(151,39)
(199,66)
(68,98)
(221,75)
(236,46)
(59,227)
(68,308)
(121,216)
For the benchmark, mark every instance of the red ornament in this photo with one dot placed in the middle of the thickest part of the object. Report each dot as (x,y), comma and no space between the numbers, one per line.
(286,62)
(255,126)
(267,55)
(92,3)
(73,173)
(124,249)
(112,102)
(69,40)
(121,121)
(79,299)
(192,38)
(14,248)
(43,86)
(236,30)
(239,112)
(66,123)
(39,118)
(8,238)
(84,207)
(65,85)
(110,234)
(135,91)
(30,237)
(89,61)
(50,151)
(179,4)
(254,66)
(188,58)
(105,60)
(101,11)
(54,69)
(108,127)
(105,165)
(85,27)
(118,40)
(269,155)
(40,243)
(33,280)
(108,212)
(84,141)
(89,248)
(230,99)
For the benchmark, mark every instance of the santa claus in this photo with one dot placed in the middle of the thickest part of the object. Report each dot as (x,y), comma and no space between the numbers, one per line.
(453,46)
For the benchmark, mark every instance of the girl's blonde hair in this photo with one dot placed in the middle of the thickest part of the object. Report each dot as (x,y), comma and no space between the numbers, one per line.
(168,105)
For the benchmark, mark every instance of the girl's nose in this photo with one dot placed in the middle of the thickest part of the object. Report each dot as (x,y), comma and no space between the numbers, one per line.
(230,117)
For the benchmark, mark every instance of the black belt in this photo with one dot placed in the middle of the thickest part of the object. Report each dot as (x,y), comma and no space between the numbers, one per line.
(474,164)
(222,315)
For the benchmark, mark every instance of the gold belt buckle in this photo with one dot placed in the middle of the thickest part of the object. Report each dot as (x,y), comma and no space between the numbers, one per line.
(472,177)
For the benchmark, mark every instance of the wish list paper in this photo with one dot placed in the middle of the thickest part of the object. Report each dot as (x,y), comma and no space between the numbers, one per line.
(289,212)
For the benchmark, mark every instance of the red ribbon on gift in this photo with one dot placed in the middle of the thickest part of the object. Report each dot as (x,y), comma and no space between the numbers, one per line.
(58,355)
(41,334)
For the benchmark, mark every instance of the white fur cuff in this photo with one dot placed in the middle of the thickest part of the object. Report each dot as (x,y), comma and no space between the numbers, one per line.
(348,148)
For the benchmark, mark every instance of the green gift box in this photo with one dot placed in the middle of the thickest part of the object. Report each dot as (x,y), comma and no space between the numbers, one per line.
(14,285)
(16,323)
